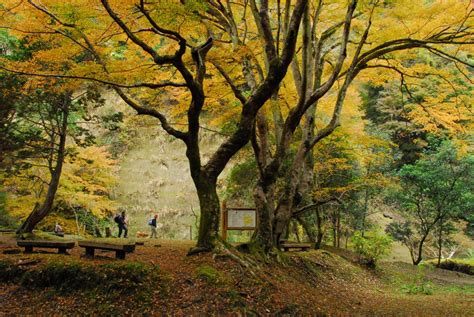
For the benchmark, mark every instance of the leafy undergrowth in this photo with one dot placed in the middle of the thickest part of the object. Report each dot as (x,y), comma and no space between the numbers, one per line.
(164,281)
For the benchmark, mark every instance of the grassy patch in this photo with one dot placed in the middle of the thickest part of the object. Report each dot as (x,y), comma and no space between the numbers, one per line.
(461,289)
(407,279)
(418,287)
(413,284)
(311,266)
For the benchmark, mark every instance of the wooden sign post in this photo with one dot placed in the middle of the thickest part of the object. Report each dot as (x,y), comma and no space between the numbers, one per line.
(237,218)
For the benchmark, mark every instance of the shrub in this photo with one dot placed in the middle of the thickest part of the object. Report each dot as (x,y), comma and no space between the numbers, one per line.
(371,248)
(9,272)
(121,277)
(61,276)
(469,254)
(463,266)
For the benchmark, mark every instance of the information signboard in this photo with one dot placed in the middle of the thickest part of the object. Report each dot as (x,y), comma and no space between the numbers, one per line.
(238,219)
(241,219)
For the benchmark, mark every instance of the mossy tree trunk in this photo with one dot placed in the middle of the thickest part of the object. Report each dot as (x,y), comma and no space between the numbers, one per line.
(307,78)
(210,214)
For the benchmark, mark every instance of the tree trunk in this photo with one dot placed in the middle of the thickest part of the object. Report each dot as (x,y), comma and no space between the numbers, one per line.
(264,233)
(210,215)
(338,228)
(364,214)
(440,241)
(295,230)
(411,249)
(41,211)
(308,229)
(320,235)
(420,250)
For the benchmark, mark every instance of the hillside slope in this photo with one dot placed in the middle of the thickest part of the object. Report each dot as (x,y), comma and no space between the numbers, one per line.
(162,280)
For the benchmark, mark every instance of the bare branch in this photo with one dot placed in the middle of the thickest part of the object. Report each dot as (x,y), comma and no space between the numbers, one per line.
(105,82)
(160,60)
(238,94)
(154,113)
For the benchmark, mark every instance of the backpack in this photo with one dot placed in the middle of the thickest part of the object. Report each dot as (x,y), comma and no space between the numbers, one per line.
(117,219)
(150,222)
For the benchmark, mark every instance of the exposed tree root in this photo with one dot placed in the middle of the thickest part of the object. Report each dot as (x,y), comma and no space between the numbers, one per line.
(245,262)
(224,250)
(198,250)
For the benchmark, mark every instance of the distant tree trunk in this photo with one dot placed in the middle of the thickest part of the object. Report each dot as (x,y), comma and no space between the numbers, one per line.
(308,229)
(97,232)
(366,206)
(411,249)
(419,256)
(40,211)
(319,220)
(440,241)
(295,230)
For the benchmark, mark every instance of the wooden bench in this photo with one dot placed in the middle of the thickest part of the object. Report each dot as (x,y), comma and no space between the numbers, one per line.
(287,246)
(7,230)
(120,248)
(62,246)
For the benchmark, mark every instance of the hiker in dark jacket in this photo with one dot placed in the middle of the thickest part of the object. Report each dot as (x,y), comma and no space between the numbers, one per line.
(121,221)
(153,225)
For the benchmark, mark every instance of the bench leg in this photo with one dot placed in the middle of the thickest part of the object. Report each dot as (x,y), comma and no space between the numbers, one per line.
(62,251)
(90,252)
(120,254)
(28,249)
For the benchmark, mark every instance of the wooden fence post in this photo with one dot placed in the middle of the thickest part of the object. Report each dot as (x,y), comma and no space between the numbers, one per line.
(224,220)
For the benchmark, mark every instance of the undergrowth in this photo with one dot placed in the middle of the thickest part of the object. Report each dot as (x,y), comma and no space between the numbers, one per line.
(70,277)
(418,284)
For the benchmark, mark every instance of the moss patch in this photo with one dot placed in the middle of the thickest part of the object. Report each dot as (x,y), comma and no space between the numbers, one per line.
(209,274)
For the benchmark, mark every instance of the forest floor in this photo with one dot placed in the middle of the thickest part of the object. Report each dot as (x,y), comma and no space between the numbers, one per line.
(158,278)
